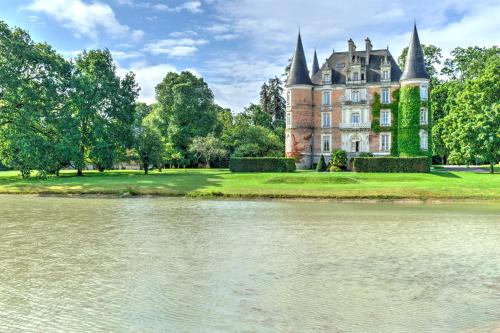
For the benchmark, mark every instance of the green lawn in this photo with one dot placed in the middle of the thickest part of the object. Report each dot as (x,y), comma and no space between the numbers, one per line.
(305,184)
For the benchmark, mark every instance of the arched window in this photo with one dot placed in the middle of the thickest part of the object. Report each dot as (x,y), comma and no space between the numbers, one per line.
(288,143)
(289,97)
(424,140)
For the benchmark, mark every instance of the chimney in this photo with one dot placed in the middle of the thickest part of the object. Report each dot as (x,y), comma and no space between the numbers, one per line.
(368,48)
(352,48)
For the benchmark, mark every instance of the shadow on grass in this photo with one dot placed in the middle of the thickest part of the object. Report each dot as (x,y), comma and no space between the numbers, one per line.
(445,174)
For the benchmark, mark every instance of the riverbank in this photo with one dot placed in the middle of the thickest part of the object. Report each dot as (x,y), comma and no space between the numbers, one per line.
(436,186)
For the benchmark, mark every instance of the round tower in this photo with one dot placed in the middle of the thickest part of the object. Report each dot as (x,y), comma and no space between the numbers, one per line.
(414,115)
(299,110)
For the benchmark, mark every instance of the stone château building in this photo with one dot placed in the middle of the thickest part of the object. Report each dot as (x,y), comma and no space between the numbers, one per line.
(334,106)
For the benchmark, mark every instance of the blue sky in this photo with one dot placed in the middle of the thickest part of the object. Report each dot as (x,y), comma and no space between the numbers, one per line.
(237,44)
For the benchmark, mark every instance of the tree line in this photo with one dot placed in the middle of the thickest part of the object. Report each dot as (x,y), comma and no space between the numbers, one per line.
(57,114)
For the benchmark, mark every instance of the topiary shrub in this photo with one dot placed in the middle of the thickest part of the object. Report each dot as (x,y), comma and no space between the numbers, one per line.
(335,168)
(339,159)
(392,164)
(262,164)
(366,154)
(321,166)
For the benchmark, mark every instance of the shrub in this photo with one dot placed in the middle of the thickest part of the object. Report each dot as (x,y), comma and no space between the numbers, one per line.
(335,168)
(365,154)
(321,164)
(391,164)
(339,159)
(261,164)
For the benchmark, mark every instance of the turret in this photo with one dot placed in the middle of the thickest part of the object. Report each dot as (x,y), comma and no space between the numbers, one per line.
(299,74)
(415,64)
(315,65)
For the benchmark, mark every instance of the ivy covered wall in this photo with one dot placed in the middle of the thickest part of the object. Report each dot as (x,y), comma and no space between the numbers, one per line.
(409,122)
(393,106)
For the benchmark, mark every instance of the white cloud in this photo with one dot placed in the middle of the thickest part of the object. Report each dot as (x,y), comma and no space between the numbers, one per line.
(149,76)
(189,6)
(181,47)
(85,19)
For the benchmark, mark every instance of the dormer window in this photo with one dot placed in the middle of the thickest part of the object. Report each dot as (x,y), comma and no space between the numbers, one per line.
(326,78)
(385,75)
(355,76)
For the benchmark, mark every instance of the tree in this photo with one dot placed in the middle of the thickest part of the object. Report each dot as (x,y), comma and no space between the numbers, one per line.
(149,147)
(473,124)
(468,63)
(207,149)
(186,109)
(255,141)
(273,103)
(103,110)
(321,166)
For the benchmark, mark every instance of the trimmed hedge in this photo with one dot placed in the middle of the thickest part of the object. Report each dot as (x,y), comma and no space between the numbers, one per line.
(262,164)
(392,164)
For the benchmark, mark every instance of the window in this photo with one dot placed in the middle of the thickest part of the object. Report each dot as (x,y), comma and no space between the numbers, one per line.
(424,141)
(289,98)
(325,120)
(355,118)
(326,78)
(355,96)
(288,119)
(288,143)
(385,142)
(385,75)
(423,116)
(423,91)
(355,76)
(326,143)
(385,118)
(385,96)
(326,97)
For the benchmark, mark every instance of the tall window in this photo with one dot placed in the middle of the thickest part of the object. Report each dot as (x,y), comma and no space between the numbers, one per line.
(326,97)
(385,142)
(355,76)
(423,116)
(288,119)
(385,75)
(288,143)
(355,96)
(326,143)
(325,120)
(385,118)
(289,97)
(424,140)
(355,118)
(385,96)
(423,91)
(326,78)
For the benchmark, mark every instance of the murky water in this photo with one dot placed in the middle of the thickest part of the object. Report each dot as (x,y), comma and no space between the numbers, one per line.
(177,265)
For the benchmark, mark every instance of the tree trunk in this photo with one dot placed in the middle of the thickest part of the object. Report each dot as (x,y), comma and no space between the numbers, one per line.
(82,156)
(146,169)
(79,172)
(492,167)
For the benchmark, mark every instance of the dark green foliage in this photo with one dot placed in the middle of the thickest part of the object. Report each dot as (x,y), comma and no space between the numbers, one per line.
(409,122)
(365,154)
(391,164)
(261,164)
(393,128)
(339,159)
(321,166)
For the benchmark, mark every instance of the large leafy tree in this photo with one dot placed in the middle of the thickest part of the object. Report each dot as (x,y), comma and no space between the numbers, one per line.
(34,117)
(185,110)
(273,103)
(103,110)
(207,149)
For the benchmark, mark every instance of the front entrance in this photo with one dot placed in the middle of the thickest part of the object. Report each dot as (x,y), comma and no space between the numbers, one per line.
(355,144)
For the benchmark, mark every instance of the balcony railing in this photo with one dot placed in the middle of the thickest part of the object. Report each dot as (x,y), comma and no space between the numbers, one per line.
(355,125)
(355,81)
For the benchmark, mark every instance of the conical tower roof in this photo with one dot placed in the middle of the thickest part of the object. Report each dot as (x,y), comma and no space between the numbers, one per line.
(315,66)
(299,74)
(415,64)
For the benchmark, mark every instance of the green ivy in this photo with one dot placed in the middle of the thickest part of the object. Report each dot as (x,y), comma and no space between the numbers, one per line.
(409,122)
(393,106)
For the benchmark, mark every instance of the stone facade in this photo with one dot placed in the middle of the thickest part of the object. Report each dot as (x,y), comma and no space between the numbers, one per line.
(332,108)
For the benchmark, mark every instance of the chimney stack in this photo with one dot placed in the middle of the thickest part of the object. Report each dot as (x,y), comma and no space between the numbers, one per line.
(368,48)
(352,48)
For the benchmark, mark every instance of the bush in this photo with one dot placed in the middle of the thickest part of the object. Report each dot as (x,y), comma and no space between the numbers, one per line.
(391,164)
(261,164)
(339,159)
(335,168)
(321,166)
(365,154)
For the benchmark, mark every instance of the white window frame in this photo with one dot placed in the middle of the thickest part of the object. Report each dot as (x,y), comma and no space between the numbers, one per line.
(424,116)
(355,76)
(424,91)
(328,124)
(382,118)
(288,120)
(382,96)
(424,140)
(326,78)
(385,75)
(355,95)
(323,137)
(326,98)
(358,114)
(385,147)
(289,97)
(288,144)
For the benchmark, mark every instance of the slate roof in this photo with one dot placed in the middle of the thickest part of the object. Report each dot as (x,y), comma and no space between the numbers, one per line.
(338,63)
(315,66)
(299,74)
(415,64)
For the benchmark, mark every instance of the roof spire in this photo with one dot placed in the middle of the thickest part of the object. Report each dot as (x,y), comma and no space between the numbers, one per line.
(415,64)
(299,74)
(315,65)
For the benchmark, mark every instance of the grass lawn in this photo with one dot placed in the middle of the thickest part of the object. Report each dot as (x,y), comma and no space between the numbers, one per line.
(304,184)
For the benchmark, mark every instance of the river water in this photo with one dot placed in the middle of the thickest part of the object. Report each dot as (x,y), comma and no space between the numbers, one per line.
(203,266)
